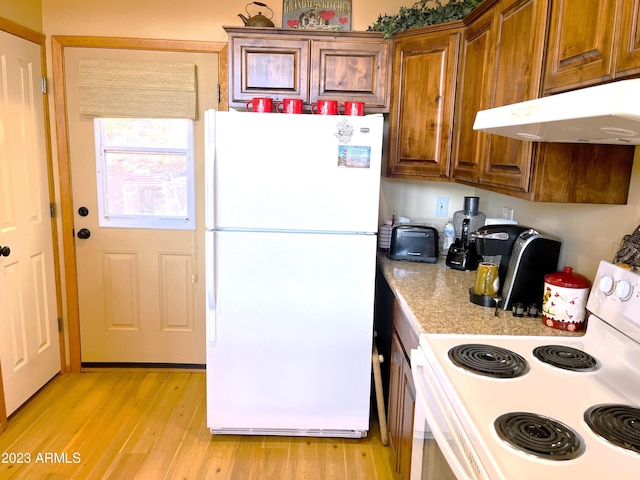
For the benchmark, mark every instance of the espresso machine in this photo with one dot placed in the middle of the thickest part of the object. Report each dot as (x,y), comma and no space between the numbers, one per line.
(494,244)
(462,253)
(524,256)
(534,255)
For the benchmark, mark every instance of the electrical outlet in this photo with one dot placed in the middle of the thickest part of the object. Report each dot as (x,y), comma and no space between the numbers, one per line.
(442,206)
(507,213)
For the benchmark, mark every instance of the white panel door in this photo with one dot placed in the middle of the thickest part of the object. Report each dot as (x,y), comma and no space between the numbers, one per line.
(141,290)
(29,345)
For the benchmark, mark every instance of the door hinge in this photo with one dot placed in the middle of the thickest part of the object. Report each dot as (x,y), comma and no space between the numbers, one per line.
(60,324)
(52,209)
(44,85)
(218,93)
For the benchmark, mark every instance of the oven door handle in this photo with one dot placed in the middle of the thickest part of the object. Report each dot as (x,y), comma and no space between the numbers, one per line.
(420,367)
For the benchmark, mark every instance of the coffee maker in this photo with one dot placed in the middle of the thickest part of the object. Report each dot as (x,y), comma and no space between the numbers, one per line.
(524,256)
(462,253)
(494,244)
(534,255)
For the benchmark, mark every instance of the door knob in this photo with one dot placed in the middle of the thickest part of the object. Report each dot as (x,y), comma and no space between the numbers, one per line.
(84,233)
(5,251)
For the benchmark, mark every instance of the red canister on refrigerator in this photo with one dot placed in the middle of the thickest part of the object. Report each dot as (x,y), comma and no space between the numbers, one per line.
(565,300)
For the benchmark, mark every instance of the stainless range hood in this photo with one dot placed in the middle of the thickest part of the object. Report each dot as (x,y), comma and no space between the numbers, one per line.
(607,114)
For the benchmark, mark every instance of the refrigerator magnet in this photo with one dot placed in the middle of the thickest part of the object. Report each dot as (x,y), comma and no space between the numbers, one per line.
(353,156)
(345,131)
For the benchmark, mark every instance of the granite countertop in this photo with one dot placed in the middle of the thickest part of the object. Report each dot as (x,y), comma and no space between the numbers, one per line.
(435,298)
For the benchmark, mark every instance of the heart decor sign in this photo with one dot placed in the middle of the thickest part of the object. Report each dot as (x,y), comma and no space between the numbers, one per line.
(316,14)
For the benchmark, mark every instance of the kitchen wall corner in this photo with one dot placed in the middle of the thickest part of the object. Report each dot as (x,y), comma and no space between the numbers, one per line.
(589,233)
(416,200)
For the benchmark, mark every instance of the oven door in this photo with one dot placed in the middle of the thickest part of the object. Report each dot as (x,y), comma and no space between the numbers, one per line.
(438,450)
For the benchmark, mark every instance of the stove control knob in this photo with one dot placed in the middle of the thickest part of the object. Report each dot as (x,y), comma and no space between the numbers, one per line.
(607,285)
(624,290)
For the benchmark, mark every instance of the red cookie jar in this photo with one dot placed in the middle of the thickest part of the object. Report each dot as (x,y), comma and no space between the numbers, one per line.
(564,300)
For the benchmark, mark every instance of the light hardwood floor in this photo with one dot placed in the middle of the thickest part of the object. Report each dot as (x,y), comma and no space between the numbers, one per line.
(124,424)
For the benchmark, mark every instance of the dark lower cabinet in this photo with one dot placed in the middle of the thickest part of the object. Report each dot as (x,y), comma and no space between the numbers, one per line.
(402,399)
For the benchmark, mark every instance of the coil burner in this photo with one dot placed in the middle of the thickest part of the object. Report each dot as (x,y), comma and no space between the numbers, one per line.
(567,358)
(538,435)
(488,360)
(619,424)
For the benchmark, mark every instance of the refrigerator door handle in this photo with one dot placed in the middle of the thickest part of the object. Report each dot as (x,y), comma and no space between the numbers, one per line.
(211,287)
(209,165)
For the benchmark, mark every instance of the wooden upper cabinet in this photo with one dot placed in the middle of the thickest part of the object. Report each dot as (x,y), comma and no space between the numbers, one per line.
(502,62)
(350,70)
(421,112)
(268,67)
(310,65)
(472,95)
(628,62)
(591,42)
(582,43)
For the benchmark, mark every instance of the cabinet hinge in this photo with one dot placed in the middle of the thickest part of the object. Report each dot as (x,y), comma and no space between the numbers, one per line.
(60,324)
(52,209)
(44,85)
(218,93)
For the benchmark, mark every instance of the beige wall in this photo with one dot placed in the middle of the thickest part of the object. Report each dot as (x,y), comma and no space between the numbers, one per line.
(175,19)
(27,13)
(589,233)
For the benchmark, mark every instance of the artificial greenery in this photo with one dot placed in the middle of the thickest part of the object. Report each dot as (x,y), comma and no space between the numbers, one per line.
(421,14)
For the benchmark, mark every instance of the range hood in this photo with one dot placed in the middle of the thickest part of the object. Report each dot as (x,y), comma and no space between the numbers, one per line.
(607,114)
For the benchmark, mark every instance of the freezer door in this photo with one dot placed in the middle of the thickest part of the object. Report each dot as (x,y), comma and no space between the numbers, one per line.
(293,332)
(294,172)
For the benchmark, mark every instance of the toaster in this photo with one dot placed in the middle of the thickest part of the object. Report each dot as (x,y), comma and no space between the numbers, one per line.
(415,243)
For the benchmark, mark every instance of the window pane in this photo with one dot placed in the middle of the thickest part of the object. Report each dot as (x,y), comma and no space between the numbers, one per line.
(145,173)
(146,132)
(146,184)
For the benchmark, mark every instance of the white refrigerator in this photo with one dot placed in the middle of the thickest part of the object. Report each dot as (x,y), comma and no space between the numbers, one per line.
(292,214)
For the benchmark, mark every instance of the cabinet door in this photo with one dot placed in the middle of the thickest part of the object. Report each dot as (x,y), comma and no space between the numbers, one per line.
(473,94)
(268,67)
(421,113)
(395,392)
(402,397)
(581,42)
(350,70)
(629,43)
(518,71)
(408,410)
(503,51)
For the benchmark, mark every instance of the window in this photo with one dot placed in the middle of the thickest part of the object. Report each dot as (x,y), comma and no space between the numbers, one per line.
(145,173)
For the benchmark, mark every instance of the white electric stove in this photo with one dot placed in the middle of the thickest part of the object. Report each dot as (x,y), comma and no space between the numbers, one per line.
(517,407)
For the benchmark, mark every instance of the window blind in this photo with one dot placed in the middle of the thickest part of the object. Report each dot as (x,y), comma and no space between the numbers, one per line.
(111,88)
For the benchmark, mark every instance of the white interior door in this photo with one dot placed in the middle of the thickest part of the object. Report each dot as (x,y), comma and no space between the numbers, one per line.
(141,291)
(29,345)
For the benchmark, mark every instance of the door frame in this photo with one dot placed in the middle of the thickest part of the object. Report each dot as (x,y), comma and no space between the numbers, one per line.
(58,45)
(38,38)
